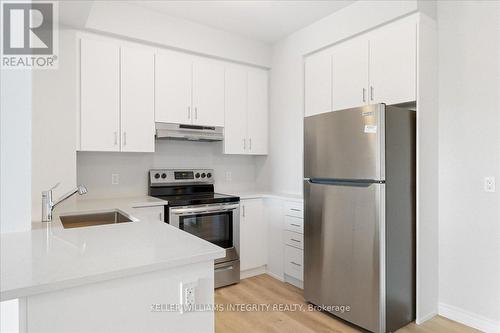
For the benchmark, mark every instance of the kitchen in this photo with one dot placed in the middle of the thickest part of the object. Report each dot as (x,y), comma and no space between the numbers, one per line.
(133,78)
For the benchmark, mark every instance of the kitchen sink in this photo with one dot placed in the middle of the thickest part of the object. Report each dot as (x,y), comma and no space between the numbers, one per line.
(92,219)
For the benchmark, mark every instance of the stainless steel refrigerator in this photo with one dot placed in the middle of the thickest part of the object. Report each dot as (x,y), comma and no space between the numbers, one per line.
(359,197)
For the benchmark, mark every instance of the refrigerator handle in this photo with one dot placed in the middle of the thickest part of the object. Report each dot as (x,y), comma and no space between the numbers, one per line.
(344,182)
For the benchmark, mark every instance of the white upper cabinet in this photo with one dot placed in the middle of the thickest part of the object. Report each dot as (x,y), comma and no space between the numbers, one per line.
(189,90)
(350,74)
(235,130)
(173,87)
(318,83)
(393,63)
(137,100)
(246,111)
(116,97)
(208,93)
(376,67)
(99,96)
(257,111)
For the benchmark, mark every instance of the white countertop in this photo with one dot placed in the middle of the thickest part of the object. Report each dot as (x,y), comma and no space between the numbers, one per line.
(50,258)
(264,194)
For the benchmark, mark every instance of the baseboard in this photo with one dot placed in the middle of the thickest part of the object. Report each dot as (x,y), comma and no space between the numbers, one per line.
(252,272)
(469,318)
(275,276)
(426,317)
(293,281)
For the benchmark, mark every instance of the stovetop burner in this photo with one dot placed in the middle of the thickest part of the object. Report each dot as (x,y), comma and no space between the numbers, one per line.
(186,187)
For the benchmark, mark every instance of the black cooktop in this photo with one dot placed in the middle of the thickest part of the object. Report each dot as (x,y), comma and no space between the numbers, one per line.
(197,199)
(187,195)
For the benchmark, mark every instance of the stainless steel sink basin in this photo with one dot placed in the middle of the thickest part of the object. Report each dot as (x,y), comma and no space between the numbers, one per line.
(92,219)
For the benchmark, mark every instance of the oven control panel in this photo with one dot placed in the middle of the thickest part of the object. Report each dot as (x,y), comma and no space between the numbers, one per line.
(173,176)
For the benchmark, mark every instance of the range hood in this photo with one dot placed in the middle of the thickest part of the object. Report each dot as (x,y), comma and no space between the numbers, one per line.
(189,132)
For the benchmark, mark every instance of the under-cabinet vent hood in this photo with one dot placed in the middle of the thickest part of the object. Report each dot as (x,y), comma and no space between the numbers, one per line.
(189,132)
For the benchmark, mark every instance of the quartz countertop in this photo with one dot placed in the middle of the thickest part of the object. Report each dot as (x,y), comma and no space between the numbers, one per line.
(264,194)
(50,258)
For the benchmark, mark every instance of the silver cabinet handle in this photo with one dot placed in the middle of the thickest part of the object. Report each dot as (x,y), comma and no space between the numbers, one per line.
(371,92)
(294,263)
(195,113)
(124,138)
(116,138)
(295,209)
(160,216)
(295,225)
(243,209)
(244,144)
(189,112)
(364,95)
(294,240)
(250,143)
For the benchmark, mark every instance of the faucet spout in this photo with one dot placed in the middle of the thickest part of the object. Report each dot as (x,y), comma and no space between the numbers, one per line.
(48,204)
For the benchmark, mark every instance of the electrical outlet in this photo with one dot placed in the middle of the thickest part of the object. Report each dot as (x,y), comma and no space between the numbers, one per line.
(489,184)
(229,176)
(115,179)
(188,296)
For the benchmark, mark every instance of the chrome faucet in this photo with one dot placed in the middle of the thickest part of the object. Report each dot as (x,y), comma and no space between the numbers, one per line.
(48,205)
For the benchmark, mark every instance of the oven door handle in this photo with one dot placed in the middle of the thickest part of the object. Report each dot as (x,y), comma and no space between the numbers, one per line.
(205,209)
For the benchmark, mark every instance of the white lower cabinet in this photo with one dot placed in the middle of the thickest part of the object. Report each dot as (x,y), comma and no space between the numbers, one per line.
(253,234)
(294,262)
(153,213)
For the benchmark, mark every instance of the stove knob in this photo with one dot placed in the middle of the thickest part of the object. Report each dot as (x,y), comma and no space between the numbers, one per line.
(209,175)
(163,175)
(157,175)
(203,175)
(197,175)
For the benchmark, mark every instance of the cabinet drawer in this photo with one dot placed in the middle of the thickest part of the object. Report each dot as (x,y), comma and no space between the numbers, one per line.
(294,262)
(294,239)
(294,224)
(154,213)
(295,209)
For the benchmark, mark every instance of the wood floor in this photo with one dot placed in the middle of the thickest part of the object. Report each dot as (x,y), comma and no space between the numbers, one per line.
(263,289)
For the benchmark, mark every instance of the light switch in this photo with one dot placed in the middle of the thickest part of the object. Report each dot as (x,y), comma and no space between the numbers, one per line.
(115,179)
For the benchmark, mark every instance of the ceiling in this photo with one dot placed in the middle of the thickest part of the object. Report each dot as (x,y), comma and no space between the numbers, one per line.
(263,20)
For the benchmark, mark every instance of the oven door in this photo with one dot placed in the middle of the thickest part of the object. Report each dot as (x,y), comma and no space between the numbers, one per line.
(218,224)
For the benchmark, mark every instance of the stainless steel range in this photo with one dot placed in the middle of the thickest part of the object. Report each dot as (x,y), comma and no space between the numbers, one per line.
(194,207)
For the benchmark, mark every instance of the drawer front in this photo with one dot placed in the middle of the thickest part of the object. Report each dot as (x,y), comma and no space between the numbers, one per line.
(294,224)
(294,262)
(294,239)
(295,209)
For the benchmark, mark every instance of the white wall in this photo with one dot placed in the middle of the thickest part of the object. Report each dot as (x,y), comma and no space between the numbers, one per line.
(120,18)
(95,168)
(54,125)
(15,150)
(469,146)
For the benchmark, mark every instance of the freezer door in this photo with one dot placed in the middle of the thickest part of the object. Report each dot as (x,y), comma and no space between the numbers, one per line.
(346,144)
(344,252)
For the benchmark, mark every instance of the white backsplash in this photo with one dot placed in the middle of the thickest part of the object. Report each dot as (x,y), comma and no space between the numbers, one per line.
(94,169)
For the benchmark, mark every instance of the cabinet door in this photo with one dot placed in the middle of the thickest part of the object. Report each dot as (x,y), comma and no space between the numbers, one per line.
(208,93)
(235,123)
(253,234)
(99,96)
(318,83)
(257,112)
(173,88)
(350,74)
(393,64)
(137,100)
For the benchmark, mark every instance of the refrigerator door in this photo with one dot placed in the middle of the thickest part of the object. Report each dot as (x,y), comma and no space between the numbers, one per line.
(346,144)
(343,250)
